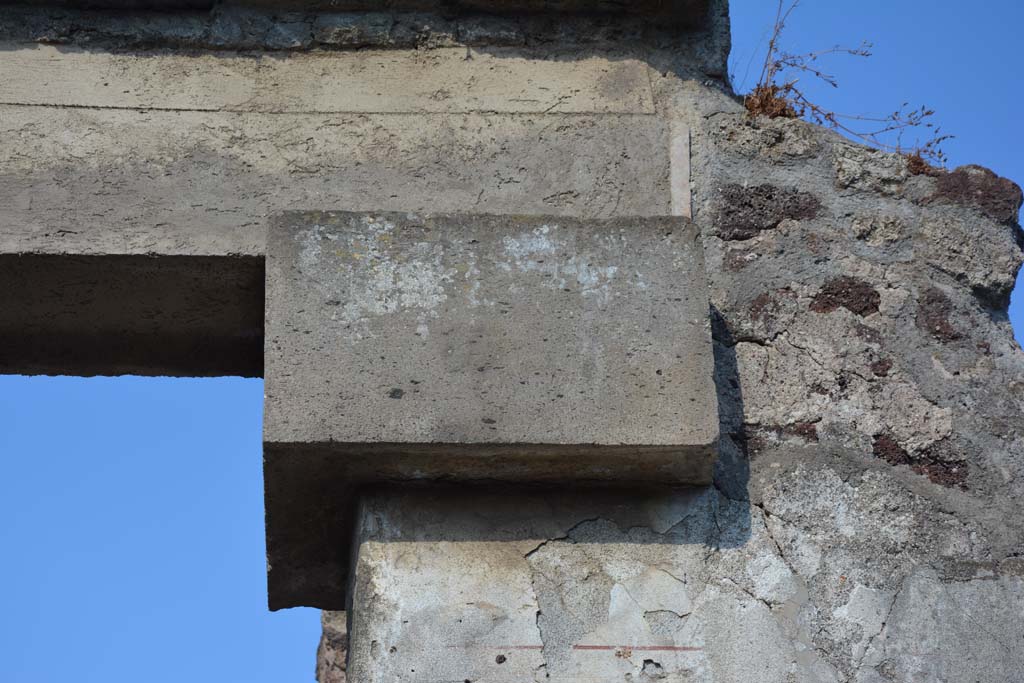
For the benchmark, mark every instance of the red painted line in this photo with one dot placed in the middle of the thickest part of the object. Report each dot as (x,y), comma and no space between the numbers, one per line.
(640,648)
(497,647)
(635,648)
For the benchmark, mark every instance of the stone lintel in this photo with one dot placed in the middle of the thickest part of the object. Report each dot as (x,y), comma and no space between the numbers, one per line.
(368,82)
(473,348)
(685,12)
(131,314)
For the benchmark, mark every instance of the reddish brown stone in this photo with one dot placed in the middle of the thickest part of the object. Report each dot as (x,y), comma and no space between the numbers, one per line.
(976,186)
(881,367)
(886,448)
(760,305)
(933,309)
(808,431)
(746,211)
(851,293)
(948,474)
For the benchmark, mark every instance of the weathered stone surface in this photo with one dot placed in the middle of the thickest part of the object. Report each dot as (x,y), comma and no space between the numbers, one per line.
(229,26)
(332,654)
(880,322)
(366,81)
(581,342)
(353,30)
(688,585)
(676,12)
(82,181)
(518,349)
(863,524)
(548,586)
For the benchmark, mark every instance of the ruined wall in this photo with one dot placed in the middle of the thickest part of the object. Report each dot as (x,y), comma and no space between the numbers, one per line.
(179,133)
(864,524)
(875,409)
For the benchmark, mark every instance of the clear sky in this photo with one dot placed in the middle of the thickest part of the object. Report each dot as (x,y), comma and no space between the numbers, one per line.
(131,520)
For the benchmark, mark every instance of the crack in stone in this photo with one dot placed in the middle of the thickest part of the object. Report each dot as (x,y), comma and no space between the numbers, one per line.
(537,621)
(970,617)
(881,629)
(563,537)
(750,594)
(665,611)
(771,537)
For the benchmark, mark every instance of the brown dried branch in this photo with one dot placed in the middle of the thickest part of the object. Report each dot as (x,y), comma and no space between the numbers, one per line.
(774,97)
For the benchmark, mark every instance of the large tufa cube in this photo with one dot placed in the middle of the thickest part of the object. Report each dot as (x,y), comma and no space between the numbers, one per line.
(455,347)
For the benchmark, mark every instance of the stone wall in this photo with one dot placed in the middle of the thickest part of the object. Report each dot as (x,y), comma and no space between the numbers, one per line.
(154,135)
(864,522)
(874,413)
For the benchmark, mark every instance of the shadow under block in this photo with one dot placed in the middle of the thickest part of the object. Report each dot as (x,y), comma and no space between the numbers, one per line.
(473,348)
(115,314)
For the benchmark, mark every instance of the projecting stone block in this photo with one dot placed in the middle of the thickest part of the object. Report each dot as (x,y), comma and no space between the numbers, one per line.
(482,347)
(470,348)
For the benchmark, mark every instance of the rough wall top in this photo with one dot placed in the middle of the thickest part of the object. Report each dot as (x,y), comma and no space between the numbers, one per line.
(694,24)
(676,11)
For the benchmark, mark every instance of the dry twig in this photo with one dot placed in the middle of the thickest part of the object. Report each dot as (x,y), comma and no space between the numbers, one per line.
(777,94)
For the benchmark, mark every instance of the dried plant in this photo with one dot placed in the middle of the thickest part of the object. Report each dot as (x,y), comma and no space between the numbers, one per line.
(777,94)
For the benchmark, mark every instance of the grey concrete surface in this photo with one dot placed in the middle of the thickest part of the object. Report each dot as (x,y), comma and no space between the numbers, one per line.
(586,341)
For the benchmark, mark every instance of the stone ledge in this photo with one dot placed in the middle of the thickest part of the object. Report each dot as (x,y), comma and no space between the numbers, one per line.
(681,11)
(338,28)
(124,314)
(538,350)
(488,332)
(377,81)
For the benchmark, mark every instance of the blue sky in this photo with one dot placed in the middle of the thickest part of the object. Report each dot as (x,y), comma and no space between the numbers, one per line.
(131,516)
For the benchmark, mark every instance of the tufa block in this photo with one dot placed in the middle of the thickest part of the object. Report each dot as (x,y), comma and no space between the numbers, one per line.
(477,348)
